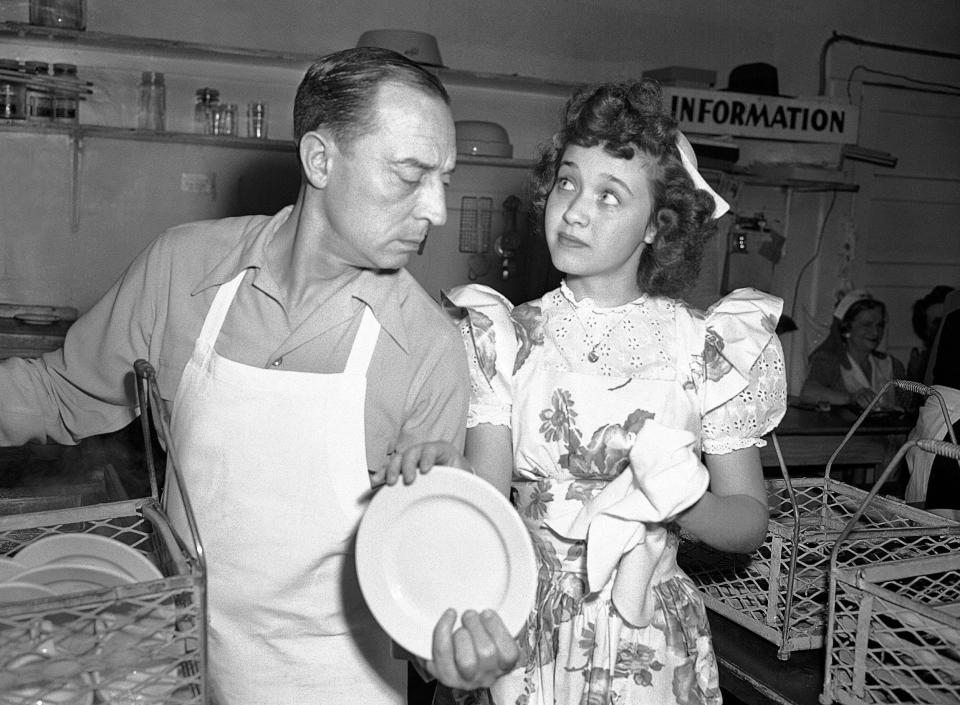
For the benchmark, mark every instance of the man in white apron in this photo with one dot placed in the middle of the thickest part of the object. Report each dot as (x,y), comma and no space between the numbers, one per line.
(264,332)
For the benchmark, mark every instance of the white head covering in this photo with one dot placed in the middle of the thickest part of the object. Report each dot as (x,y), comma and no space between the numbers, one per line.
(848,300)
(689,159)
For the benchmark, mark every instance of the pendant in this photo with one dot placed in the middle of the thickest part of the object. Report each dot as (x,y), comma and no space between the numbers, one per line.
(592,355)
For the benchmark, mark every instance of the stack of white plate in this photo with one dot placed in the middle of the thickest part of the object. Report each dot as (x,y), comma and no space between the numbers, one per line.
(66,564)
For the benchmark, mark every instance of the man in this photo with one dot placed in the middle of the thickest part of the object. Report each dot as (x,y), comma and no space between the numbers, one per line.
(264,332)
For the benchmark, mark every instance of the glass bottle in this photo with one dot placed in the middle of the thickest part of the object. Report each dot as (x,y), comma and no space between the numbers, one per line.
(257,120)
(66,97)
(153,101)
(39,95)
(13,93)
(206,100)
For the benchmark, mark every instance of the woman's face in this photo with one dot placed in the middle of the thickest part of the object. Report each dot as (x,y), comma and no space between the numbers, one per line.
(866,330)
(597,217)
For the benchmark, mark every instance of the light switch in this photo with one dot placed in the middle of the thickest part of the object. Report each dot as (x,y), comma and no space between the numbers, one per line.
(199,183)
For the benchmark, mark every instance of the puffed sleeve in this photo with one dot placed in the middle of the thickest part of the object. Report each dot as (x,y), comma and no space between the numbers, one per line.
(745,390)
(490,339)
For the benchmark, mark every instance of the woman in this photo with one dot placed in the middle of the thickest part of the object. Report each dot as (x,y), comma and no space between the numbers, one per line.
(591,405)
(935,479)
(847,368)
(925,319)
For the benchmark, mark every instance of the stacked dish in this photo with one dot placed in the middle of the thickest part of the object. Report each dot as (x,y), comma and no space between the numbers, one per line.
(67,563)
(31,660)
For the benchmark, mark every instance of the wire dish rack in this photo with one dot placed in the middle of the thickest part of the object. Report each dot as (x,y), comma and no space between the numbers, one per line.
(780,591)
(143,642)
(894,627)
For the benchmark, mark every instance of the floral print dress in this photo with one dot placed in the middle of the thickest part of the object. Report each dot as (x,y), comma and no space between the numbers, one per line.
(574,382)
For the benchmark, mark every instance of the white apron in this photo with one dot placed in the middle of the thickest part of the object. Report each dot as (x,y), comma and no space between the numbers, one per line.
(930,424)
(881,372)
(275,466)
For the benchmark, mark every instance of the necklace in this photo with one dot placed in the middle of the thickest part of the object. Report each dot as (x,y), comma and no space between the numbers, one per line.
(592,354)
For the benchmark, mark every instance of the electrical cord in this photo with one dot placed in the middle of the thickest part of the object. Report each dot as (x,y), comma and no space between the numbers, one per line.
(953,89)
(813,258)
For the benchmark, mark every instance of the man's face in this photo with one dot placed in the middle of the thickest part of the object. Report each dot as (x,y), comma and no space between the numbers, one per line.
(386,188)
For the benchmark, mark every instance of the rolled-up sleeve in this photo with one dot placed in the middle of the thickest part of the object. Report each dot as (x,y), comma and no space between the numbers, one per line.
(86,387)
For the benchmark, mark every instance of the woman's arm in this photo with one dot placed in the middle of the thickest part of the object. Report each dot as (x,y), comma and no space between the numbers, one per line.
(489,448)
(733,514)
(824,381)
(814,391)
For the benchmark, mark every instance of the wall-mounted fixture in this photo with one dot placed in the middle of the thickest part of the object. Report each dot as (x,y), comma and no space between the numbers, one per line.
(856,153)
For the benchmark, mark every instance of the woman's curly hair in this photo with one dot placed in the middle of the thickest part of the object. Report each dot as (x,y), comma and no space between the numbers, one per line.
(624,118)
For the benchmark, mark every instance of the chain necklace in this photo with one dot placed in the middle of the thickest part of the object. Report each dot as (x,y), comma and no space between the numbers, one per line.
(592,355)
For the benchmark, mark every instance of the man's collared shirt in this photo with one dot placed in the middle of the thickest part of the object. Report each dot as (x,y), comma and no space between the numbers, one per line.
(417,385)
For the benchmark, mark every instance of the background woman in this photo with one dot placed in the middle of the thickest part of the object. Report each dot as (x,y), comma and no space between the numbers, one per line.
(925,319)
(592,404)
(847,367)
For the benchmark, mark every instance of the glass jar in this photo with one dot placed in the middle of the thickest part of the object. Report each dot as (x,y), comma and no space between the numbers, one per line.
(39,95)
(66,96)
(13,92)
(206,100)
(224,119)
(66,14)
(153,101)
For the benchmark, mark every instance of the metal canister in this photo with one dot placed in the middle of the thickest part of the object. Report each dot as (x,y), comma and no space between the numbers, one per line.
(39,96)
(66,98)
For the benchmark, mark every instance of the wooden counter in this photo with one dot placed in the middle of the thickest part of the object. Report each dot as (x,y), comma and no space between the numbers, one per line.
(809,437)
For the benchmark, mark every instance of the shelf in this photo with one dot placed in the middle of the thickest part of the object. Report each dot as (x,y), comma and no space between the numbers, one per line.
(126,133)
(189,50)
(798,178)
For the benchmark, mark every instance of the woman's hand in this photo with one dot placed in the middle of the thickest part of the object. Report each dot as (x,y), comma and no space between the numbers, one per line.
(418,458)
(862,397)
(476,654)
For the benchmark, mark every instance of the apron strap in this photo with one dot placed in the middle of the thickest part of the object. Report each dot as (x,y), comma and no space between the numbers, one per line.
(218,311)
(364,344)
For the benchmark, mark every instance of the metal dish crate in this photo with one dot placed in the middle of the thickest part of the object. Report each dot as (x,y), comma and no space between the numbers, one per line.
(780,591)
(143,642)
(894,627)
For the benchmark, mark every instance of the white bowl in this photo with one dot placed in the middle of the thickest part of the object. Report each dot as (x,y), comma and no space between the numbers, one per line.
(480,138)
(416,46)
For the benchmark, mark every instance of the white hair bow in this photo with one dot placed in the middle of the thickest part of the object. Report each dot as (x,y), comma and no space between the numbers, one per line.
(689,159)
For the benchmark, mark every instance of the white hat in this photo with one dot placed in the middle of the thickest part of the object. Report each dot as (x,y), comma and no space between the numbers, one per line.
(689,159)
(848,300)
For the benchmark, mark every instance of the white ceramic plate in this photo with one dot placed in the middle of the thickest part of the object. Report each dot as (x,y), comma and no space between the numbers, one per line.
(15,591)
(447,540)
(66,578)
(89,549)
(9,568)
(37,319)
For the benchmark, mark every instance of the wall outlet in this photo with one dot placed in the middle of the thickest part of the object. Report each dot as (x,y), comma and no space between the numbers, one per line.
(204,184)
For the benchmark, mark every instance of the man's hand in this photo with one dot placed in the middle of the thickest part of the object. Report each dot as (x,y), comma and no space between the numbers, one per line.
(476,654)
(418,458)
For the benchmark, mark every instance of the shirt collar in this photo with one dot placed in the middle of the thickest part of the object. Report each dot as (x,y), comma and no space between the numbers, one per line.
(384,292)
(249,252)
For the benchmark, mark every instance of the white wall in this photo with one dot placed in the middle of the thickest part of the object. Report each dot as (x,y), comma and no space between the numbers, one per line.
(130,191)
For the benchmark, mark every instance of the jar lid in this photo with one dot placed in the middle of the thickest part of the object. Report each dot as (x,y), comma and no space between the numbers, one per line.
(152,77)
(10,64)
(64,68)
(36,66)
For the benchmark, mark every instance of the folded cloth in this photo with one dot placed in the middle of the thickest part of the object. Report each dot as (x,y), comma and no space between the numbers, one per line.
(665,477)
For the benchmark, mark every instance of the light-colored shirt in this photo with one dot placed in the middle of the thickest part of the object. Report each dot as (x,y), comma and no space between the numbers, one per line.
(418,383)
